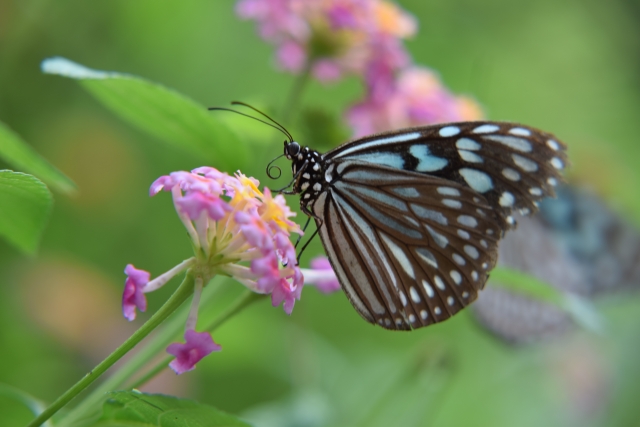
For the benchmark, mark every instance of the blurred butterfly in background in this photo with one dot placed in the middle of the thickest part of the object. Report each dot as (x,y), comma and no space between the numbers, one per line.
(411,219)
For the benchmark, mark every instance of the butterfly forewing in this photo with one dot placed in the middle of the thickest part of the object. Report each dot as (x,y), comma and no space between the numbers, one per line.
(411,219)
(512,166)
(411,249)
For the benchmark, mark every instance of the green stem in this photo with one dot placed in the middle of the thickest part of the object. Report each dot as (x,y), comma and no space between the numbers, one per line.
(296,91)
(154,346)
(179,296)
(242,302)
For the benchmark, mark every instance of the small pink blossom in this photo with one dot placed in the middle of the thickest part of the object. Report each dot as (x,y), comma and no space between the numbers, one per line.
(197,345)
(322,276)
(287,291)
(291,56)
(195,203)
(414,97)
(133,296)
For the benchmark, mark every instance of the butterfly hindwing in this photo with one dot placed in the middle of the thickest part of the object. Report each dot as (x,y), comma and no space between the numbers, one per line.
(409,250)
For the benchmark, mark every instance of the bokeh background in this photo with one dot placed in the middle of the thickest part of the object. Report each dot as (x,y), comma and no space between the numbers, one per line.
(568,66)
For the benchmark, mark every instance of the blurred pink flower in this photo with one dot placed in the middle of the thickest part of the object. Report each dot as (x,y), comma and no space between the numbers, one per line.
(336,37)
(197,345)
(322,276)
(415,97)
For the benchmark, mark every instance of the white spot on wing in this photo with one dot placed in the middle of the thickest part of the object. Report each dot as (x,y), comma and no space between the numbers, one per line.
(468,220)
(516,143)
(428,289)
(458,259)
(456,204)
(511,174)
(426,161)
(424,314)
(415,295)
(467,144)
(488,128)
(520,131)
(506,199)
(464,234)
(403,298)
(439,283)
(479,181)
(535,191)
(553,145)
(469,156)
(406,191)
(471,251)
(450,300)
(448,191)
(455,275)
(524,163)
(449,131)
(437,311)
(557,163)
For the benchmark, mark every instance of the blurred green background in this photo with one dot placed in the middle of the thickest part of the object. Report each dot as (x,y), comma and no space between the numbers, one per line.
(568,66)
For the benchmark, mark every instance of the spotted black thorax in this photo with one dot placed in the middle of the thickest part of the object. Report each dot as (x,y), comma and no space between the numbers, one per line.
(307,169)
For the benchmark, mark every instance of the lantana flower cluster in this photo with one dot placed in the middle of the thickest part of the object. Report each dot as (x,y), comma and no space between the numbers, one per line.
(364,38)
(332,37)
(236,230)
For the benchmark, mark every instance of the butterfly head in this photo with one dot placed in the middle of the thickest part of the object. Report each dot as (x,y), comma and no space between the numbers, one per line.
(291,149)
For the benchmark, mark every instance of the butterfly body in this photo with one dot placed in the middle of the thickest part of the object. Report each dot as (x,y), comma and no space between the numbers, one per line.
(411,220)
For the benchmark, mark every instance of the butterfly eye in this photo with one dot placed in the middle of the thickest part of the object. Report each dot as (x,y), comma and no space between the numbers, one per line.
(292,149)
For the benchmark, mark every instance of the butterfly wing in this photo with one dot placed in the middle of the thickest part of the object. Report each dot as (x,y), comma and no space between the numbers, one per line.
(409,249)
(513,166)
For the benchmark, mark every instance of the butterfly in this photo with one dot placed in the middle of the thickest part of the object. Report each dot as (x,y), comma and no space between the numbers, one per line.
(411,219)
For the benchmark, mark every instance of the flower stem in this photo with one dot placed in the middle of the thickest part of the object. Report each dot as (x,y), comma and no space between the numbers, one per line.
(242,302)
(179,296)
(296,91)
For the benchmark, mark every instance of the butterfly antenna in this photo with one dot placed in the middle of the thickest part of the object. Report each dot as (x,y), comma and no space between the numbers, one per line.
(263,114)
(287,134)
(269,167)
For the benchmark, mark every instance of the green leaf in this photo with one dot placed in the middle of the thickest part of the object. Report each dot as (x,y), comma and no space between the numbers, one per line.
(21,156)
(522,283)
(25,205)
(128,409)
(34,405)
(159,111)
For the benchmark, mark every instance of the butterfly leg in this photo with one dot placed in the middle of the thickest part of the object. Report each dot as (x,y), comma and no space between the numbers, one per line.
(292,182)
(319,223)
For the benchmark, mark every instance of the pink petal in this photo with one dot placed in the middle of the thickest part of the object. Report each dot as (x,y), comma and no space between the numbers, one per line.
(133,296)
(197,346)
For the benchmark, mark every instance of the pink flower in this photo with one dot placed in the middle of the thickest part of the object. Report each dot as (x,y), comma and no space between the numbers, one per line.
(288,292)
(236,230)
(197,346)
(415,97)
(322,276)
(337,36)
(291,56)
(133,296)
